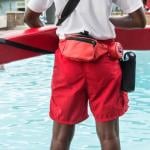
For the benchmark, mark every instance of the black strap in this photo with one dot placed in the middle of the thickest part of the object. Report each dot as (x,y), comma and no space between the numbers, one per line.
(24,47)
(68,9)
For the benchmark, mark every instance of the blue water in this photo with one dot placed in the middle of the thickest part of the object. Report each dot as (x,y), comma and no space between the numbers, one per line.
(24,106)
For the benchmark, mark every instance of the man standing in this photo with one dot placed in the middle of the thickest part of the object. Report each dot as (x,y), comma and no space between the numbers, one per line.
(97,82)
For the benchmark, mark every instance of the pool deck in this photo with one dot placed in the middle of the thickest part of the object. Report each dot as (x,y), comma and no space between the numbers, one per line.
(3,26)
(3,22)
(4,30)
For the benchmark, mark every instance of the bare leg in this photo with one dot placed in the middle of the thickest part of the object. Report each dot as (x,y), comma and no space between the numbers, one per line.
(117,127)
(108,133)
(62,136)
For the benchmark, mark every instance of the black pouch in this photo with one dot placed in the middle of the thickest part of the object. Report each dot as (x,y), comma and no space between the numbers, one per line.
(128,65)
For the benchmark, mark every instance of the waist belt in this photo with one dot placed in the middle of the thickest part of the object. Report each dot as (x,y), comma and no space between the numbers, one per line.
(84,48)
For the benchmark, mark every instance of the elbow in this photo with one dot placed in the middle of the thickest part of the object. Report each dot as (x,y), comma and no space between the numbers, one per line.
(27,20)
(139,19)
(31,22)
(142,23)
(31,18)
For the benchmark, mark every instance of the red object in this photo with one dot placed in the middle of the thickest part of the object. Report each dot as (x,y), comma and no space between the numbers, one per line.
(148,4)
(137,39)
(86,49)
(72,89)
(45,38)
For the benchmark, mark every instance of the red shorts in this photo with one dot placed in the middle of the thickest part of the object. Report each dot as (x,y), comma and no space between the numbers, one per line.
(75,84)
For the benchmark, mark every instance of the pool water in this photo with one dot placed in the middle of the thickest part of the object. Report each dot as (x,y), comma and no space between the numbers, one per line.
(24,106)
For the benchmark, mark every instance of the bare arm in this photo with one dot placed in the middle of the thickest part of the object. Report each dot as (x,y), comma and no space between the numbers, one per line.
(144,2)
(135,19)
(31,18)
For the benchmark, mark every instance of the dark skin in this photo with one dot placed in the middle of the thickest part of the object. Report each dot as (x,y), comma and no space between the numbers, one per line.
(144,2)
(132,20)
(108,132)
(31,18)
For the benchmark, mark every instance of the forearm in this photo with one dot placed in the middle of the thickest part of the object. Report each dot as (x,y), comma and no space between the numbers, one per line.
(124,22)
(32,19)
(33,23)
(133,20)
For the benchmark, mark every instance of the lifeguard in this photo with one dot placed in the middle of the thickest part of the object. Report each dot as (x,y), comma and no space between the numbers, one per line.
(75,83)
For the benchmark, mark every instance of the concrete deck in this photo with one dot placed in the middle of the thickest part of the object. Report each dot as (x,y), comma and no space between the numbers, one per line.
(4,30)
(3,22)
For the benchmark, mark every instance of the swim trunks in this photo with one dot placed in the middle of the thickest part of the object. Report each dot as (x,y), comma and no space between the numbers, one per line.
(77,84)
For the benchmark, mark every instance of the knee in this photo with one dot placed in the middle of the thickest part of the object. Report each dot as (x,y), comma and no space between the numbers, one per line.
(110,141)
(60,143)
(61,139)
(109,135)
(106,136)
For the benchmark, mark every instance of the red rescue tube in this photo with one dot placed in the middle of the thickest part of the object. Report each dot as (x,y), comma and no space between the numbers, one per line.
(137,39)
(27,43)
(37,41)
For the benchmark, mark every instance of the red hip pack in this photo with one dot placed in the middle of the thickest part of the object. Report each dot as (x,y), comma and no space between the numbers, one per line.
(81,48)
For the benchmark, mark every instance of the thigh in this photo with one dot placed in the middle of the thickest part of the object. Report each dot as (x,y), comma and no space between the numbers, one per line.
(69,99)
(107,101)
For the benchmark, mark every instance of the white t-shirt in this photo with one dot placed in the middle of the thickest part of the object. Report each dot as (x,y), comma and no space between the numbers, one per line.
(89,15)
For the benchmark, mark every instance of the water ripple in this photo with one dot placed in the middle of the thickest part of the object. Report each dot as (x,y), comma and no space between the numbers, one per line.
(24,106)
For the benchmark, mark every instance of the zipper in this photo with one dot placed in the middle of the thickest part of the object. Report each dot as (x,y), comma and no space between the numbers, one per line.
(91,41)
